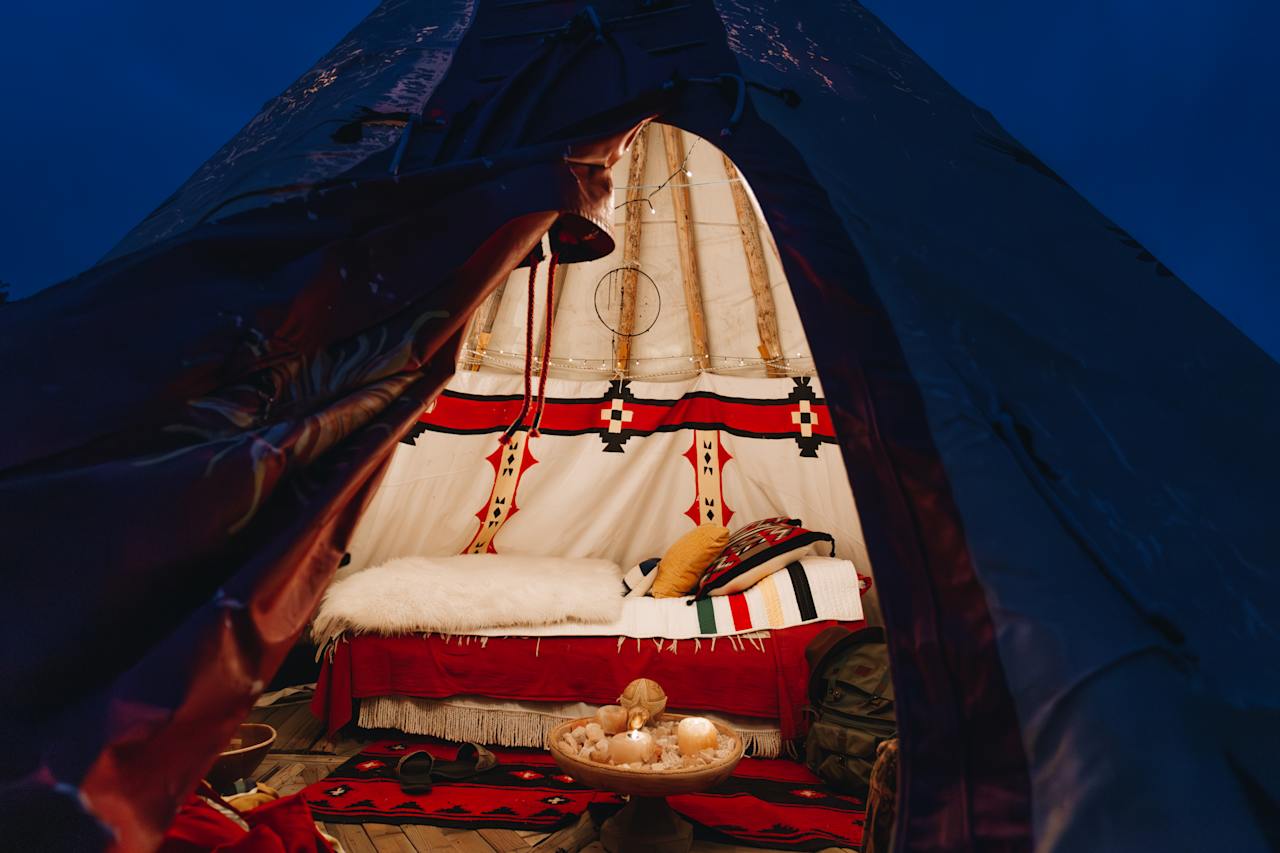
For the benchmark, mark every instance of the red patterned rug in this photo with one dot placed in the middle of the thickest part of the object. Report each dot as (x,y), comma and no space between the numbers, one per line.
(767,803)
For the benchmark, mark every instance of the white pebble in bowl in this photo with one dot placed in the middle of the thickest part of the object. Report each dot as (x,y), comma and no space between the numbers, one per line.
(592,744)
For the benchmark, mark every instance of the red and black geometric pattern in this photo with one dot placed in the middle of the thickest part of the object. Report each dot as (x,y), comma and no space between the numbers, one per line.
(755,545)
(509,462)
(810,416)
(525,791)
(708,456)
(618,416)
(767,802)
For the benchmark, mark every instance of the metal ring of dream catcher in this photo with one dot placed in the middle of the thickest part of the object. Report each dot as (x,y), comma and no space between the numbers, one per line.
(608,301)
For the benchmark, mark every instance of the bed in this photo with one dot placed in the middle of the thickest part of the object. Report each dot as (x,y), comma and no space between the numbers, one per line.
(744,661)
(760,677)
(670,456)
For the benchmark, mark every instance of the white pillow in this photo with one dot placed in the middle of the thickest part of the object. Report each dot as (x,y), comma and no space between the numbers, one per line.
(639,580)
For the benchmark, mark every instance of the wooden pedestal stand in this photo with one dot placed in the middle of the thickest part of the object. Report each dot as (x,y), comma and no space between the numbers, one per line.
(646,824)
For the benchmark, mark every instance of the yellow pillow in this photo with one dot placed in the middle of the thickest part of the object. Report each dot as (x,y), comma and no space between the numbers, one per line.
(682,566)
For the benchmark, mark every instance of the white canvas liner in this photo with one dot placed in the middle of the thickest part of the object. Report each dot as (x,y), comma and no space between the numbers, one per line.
(579,501)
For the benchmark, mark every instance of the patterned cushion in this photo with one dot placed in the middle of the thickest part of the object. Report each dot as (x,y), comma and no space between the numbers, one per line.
(640,578)
(757,551)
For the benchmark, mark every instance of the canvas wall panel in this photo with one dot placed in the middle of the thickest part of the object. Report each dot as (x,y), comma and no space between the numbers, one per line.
(620,471)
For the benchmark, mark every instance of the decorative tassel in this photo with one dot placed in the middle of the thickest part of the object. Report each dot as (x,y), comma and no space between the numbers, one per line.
(546,345)
(528,359)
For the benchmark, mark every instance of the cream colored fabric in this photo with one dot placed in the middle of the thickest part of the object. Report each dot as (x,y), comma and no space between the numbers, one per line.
(250,800)
(578,501)
(681,567)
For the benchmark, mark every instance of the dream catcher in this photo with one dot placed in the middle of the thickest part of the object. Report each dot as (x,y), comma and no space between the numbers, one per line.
(627,312)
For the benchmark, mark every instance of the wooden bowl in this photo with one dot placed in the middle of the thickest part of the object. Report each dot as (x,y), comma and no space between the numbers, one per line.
(643,783)
(242,756)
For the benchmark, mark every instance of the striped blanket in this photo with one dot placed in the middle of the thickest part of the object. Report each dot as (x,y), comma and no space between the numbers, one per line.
(811,589)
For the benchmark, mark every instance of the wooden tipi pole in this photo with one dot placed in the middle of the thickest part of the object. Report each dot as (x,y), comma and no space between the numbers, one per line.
(673,142)
(633,218)
(561,271)
(757,273)
(482,327)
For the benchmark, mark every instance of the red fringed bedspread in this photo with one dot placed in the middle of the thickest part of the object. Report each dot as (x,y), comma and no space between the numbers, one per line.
(733,678)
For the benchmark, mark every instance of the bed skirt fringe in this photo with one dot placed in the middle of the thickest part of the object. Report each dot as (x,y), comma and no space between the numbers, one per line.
(526,727)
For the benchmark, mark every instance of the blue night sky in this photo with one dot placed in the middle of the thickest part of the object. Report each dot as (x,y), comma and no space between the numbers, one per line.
(1163,114)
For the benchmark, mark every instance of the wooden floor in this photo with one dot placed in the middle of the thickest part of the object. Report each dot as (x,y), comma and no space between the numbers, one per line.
(302,755)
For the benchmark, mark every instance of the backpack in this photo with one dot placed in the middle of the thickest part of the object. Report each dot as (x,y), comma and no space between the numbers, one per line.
(851,699)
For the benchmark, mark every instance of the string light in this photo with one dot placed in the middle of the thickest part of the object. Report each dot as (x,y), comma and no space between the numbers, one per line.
(677,366)
(683,167)
(717,183)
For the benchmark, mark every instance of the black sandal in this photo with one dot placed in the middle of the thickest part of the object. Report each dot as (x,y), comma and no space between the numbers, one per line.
(417,770)
(414,772)
(472,759)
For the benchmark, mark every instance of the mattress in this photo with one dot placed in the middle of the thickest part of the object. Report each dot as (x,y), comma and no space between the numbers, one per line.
(812,589)
(427,595)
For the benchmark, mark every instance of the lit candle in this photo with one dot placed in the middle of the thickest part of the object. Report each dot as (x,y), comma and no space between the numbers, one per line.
(632,747)
(612,718)
(695,734)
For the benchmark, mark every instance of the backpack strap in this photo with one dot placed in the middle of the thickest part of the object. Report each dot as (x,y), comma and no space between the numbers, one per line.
(826,646)
(822,643)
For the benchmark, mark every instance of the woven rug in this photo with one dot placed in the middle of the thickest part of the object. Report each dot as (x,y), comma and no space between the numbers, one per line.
(767,803)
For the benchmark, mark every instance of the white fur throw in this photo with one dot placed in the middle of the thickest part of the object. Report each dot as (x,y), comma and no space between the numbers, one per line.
(453,595)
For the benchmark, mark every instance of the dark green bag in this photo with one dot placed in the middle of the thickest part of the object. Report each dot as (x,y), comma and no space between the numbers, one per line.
(851,698)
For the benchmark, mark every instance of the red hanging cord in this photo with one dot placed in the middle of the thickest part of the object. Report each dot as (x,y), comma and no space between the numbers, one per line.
(528,358)
(546,344)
